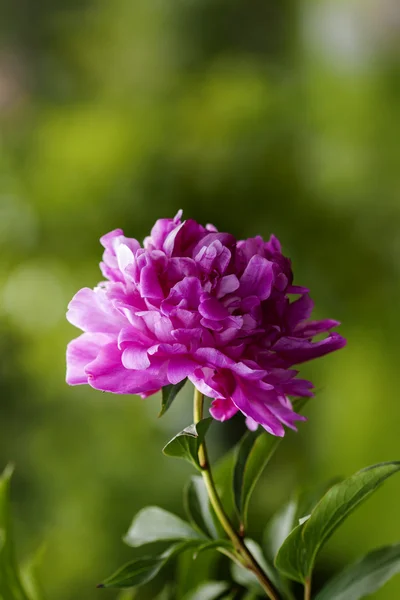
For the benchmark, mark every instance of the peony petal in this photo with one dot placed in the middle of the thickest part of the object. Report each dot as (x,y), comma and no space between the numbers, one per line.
(91,311)
(80,352)
(107,373)
(223,409)
(135,357)
(257,278)
(179,368)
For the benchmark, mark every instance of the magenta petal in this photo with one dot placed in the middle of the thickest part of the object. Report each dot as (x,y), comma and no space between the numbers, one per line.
(223,409)
(258,412)
(149,285)
(295,351)
(211,309)
(257,278)
(179,368)
(107,373)
(90,310)
(80,352)
(310,329)
(135,357)
(299,310)
(251,424)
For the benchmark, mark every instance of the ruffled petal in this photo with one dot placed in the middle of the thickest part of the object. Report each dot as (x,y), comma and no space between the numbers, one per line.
(80,352)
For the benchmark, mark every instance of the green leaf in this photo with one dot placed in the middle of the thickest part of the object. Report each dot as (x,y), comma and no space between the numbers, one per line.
(211,590)
(11,587)
(254,453)
(247,579)
(186,444)
(137,572)
(192,570)
(297,555)
(218,545)
(198,507)
(30,575)
(169,393)
(286,519)
(153,524)
(126,595)
(365,576)
(142,570)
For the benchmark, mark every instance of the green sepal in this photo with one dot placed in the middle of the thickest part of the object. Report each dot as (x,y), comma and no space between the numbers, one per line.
(168,395)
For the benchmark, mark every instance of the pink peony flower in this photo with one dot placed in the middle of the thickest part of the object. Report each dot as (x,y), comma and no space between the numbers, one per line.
(195,303)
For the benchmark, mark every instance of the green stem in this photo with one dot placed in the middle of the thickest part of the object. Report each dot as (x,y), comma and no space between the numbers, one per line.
(307,589)
(248,559)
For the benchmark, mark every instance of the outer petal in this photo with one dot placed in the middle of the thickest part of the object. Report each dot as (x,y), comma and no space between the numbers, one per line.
(90,310)
(295,351)
(257,411)
(107,373)
(82,351)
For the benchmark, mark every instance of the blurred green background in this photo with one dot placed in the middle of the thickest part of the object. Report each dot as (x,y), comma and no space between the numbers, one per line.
(255,115)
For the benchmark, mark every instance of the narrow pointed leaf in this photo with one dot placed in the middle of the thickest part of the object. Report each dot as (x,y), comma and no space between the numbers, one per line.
(169,393)
(218,545)
(286,519)
(198,507)
(153,524)
(254,453)
(186,444)
(143,570)
(365,576)
(30,576)
(10,580)
(297,555)
(137,572)
(279,527)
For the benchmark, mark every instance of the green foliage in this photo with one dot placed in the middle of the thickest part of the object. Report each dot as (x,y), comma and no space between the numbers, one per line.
(168,395)
(213,590)
(197,505)
(12,585)
(297,555)
(364,577)
(248,580)
(153,524)
(254,453)
(186,444)
(288,517)
(135,573)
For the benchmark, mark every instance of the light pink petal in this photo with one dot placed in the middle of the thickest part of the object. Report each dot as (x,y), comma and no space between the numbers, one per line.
(80,352)
(107,373)
(135,357)
(91,311)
